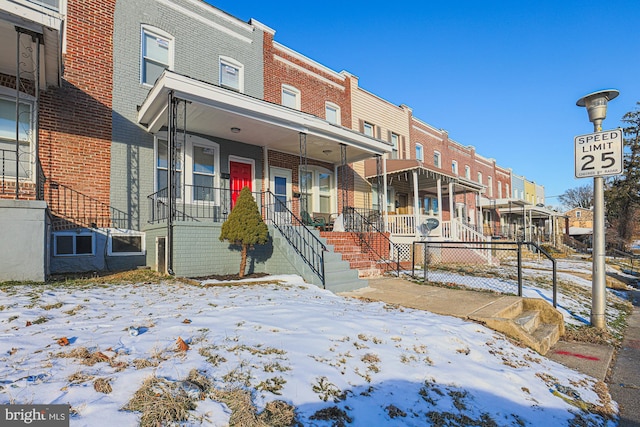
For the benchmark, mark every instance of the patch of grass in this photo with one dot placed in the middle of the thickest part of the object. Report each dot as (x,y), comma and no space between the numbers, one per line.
(40,320)
(244,414)
(590,334)
(338,416)
(103,385)
(52,306)
(327,390)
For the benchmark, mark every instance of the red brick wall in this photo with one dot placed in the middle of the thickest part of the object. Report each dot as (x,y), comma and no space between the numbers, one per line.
(313,91)
(75,119)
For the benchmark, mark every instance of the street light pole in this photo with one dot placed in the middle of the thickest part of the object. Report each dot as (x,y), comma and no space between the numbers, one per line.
(596,104)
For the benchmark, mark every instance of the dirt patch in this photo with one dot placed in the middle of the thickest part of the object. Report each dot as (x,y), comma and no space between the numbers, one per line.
(231,277)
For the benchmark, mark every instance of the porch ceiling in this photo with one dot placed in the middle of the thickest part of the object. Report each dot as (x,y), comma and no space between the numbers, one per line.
(215,111)
(40,20)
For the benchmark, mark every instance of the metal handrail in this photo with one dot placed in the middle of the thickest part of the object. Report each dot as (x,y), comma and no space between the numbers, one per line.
(74,208)
(368,227)
(299,236)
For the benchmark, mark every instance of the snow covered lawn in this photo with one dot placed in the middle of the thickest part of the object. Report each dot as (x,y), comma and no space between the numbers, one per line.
(336,361)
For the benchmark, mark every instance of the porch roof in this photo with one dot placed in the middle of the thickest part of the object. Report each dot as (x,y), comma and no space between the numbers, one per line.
(516,206)
(427,178)
(213,110)
(38,19)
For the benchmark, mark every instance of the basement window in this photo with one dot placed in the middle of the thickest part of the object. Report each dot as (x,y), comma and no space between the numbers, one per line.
(71,243)
(126,243)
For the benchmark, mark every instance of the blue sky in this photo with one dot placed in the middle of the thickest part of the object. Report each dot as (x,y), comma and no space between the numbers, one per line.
(503,76)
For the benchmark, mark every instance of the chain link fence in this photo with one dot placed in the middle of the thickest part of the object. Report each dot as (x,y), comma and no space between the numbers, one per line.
(494,266)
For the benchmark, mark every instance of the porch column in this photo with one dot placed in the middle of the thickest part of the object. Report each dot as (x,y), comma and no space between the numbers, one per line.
(171,177)
(439,189)
(343,176)
(304,202)
(266,179)
(416,202)
(379,192)
(452,213)
(384,196)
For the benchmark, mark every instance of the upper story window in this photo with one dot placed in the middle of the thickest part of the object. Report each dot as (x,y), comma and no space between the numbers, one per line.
(480,177)
(467,172)
(454,167)
(231,74)
(395,140)
(506,190)
(332,113)
(490,185)
(157,54)
(578,214)
(437,159)
(499,190)
(419,152)
(290,97)
(368,129)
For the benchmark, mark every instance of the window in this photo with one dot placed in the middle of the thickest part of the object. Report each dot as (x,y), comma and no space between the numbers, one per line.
(317,186)
(490,185)
(126,243)
(499,190)
(419,152)
(198,163)
(454,167)
(231,74)
(290,97)
(69,243)
(506,190)
(162,167)
(157,54)
(429,205)
(395,142)
(8,138)
(578,214)
(467,172)
(368,129)
(332,113)
(437,159)
(480,177)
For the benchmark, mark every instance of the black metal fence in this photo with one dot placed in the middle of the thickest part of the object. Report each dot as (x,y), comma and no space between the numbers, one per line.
(494,266)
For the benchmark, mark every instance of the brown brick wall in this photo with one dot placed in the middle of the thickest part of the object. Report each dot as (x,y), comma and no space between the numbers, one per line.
(75,119)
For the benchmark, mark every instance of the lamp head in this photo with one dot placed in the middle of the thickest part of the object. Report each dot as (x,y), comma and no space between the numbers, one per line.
(596,104)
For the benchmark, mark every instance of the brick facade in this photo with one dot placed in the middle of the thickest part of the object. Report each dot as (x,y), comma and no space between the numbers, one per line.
(75,119)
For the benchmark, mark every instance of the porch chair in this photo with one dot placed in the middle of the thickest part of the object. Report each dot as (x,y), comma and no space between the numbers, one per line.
(318,223)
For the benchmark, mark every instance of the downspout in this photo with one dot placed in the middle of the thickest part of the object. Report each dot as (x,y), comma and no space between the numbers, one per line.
(171,196)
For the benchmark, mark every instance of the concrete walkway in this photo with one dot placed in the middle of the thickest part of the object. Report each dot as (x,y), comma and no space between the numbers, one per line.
(590,359)
(625,380)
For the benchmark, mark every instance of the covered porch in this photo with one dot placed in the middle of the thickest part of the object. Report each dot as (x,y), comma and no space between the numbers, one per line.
(215,141)
(415,194)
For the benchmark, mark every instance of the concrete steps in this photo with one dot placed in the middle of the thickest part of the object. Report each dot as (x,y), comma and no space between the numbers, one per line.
(533,322)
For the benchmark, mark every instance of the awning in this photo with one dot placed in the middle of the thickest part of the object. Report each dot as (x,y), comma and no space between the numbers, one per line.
(427,177)
(580,231)
(223,113)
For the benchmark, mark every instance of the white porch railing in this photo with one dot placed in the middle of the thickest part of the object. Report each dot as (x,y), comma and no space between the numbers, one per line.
(461,232)
(405,225)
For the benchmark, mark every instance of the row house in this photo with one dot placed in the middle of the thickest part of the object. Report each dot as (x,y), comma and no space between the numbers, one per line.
(125,142)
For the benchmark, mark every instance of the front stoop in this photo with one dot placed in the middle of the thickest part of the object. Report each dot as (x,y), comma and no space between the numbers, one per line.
(347,245)
(532,321)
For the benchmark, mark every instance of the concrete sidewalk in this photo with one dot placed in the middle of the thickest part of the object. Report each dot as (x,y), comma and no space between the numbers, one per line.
(590,359)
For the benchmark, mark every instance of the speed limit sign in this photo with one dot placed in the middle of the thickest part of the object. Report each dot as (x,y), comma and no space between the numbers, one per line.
(599,154)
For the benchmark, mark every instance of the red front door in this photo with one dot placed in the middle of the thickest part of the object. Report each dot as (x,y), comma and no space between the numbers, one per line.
(240,177)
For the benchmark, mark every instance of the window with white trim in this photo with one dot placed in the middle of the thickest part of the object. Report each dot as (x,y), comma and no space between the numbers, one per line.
(231,74)
(157,54)
(318,188)
(480,177)
(332,113)
(367,129)
(126,243)
(490,185)
(467,171)
(454,167)
(437,159)
(71,243)
(290,97)
(198,163)
(8,137)
(506,190)
(499,190)
(395,141)
(419,152)
(578,214)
